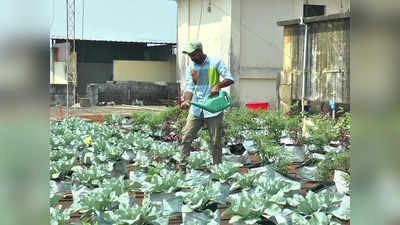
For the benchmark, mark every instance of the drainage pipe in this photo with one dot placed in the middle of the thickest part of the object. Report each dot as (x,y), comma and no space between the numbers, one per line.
(305,55)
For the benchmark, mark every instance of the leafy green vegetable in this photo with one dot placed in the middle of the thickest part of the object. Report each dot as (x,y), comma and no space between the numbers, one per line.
(268,198)
(247,208)
(324,201)
(198,198)
(237,121)
(274,185)
(164,150)
(167,181)
(272,153)
(58,216)
(136,179)
(91,176)
(61,168)
(317,218)
(97,201)
(246,181)
(199,160)
(224,171)
(323,133)
(128,213)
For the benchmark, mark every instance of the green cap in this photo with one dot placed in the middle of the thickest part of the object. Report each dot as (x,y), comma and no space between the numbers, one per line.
(192,46)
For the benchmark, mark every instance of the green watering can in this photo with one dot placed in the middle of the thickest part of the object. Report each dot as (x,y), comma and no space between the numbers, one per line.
(215,103)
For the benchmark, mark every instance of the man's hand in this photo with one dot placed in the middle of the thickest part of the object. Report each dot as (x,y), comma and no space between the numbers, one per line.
(185,105)
(214,90)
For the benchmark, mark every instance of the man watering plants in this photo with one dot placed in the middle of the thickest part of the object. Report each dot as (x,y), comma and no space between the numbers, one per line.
(203,80)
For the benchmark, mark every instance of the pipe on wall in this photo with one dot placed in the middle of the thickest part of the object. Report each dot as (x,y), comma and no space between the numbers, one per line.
(305,57)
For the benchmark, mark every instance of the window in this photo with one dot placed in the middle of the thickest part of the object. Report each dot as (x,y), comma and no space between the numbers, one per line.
(313,10)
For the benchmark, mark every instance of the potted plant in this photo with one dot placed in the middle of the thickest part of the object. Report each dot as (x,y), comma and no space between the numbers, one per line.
(274,122)
(333,161)
(323,133)
(343,126)
(237,122)
(272,153)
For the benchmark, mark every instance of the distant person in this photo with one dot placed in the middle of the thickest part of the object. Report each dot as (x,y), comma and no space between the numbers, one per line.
(202,80)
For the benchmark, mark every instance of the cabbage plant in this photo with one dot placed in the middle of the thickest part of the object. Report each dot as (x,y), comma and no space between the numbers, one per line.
(224,171)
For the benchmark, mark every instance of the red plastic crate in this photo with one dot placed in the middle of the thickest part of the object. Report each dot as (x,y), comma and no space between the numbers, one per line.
(257,105)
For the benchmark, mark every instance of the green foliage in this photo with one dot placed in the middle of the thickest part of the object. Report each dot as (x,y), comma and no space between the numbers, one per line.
(113,120)
(294,128)
(236,121)
(149,120)
(247,208)
(167,182)
(117,184)
(173,113)
(242,117)
(62,168)
(181,121)
(128,213)
(199,197)
(142,142)
(104,198)
(108,196)
(204,135)
(273,185)
(108,118)
(92,176)
(317,218)
(343,127)
(281,165)
(331,162)
(248,180)
(323,133)
(164,150)
(154,169)
(199,160)
(58,216)
(324,202)
(274,122)
(224,171)
(271,153)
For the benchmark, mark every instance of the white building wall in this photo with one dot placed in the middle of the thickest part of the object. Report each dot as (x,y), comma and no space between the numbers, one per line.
(261,43)
(212,28)
(245,35)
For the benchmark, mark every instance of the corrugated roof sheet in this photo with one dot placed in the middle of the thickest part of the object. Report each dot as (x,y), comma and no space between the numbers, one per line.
(130,41)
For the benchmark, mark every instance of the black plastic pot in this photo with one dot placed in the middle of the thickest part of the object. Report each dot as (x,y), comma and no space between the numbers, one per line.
(237,149)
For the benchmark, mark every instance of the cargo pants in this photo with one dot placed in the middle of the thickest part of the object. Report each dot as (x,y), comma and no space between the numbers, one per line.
(215,130)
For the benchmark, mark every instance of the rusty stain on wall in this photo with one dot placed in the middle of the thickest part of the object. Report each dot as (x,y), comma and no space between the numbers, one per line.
(328,50)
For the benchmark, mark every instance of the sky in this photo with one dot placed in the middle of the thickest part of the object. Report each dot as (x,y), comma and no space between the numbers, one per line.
(119,20)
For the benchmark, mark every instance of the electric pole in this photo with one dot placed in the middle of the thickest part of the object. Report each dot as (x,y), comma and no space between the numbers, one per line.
(70,52)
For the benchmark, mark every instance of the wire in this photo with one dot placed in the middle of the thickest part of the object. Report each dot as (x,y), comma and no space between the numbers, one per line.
(201,14)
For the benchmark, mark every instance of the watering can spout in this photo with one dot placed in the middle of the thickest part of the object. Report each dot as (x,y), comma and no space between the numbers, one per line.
(200,105)
(215,103)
